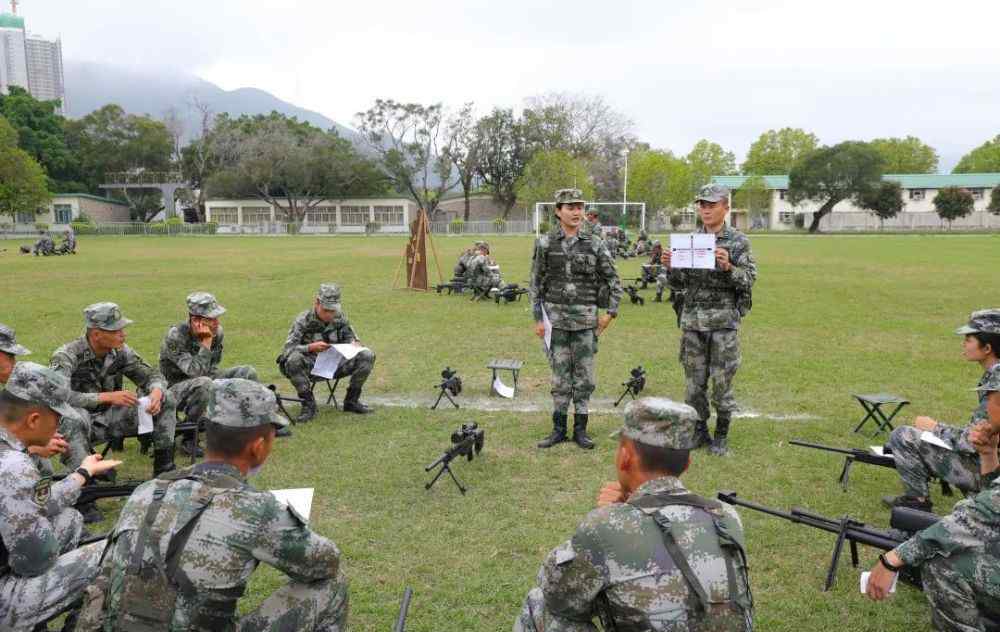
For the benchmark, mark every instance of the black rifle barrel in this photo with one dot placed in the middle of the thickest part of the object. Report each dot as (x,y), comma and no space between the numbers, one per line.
(456,449)
(862,456)
(404,608)
(817,446)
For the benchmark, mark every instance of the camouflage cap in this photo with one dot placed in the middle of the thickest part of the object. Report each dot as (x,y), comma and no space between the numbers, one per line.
(106,316)
(239,403)
(569,196)
(204,304)
(712,193)
(660,422)
(40,385)
(329,296)
(984,321)
(8,343)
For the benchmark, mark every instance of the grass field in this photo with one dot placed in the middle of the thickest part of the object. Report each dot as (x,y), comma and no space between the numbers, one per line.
(832,316)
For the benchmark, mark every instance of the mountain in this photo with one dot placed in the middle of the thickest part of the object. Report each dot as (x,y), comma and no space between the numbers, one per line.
(89,86)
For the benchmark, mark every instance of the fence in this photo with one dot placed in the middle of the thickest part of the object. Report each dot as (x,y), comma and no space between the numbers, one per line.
(930,222)
(493,227)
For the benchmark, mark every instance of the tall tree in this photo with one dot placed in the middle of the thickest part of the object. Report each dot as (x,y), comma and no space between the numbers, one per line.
(754,196)
(994,206)
(776,151)
(906,155)
(709,159)
(982,159)
(41,132)
(464,150)
(659,179)
(198,161)
(833,174)
(22,179)
(953,203)
(413,148)
(550,171)
(503,155)
(885,200)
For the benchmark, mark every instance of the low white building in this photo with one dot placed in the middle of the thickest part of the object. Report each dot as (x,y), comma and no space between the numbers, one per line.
(391,214)
(65,208)
(918,198)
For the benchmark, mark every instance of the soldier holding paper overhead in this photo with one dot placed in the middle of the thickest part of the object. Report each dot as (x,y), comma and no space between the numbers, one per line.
(313,332)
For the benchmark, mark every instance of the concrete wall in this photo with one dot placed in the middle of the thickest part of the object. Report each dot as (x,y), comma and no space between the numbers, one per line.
(482,208)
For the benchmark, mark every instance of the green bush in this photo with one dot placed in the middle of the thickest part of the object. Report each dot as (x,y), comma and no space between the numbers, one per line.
(156,228)
(543,226)
(211,227)
(500,224)
(456,226)
(83,218)
(175,221)
(676,220)
(84,228)
(41,226)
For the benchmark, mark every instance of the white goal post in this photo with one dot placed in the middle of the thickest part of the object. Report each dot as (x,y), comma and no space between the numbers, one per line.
(619,209)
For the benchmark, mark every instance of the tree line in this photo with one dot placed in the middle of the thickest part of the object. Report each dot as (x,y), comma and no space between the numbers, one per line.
(518,156)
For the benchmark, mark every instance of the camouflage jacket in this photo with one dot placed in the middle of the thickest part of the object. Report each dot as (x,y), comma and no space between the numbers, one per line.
(238,529)
(182,357)
(710,295)
(29,545)
(573,317)
(958,437)
(480,273)
(308,328)
(616,565)
(90,375)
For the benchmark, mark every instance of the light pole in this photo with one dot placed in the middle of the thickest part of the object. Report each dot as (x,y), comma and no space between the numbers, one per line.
(625,187)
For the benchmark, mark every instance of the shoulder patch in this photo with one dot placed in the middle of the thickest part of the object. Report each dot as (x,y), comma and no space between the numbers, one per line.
(43,489)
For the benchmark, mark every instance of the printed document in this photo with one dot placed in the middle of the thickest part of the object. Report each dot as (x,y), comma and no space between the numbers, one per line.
(692,250)
(933,439)
(299,500)
(864,582)
(502,389)
(328,361)
(145,419)
(548,330)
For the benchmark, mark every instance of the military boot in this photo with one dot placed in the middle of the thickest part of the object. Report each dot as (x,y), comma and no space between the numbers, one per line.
(580,437)
(308,410)
(352,402)
(720,444)
(701,436)
(558,431)
(163,461)
(659,296)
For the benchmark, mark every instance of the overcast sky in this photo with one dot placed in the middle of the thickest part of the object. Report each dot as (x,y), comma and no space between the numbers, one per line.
(681,70)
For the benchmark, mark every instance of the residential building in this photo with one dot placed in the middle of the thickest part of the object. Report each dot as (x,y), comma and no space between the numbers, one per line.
(45,70)
(392,214)
(13,54)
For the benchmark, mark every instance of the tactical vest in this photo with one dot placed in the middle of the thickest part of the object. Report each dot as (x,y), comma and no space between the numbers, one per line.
(152,581)
(732,614)
(571,279)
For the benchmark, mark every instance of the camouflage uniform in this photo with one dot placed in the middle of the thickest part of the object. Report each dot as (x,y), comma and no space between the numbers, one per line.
(568,295)
(710,320)
(296,362)
(188,367)
(68,245)
(94,422)
(622,562)
(221,528)
(918,461)
(45,246)
(42,573)
(483,275)
(8,343)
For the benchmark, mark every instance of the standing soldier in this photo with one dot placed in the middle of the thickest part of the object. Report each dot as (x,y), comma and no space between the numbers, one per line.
(714,302)
(189,360)
(313,332)
(572,274)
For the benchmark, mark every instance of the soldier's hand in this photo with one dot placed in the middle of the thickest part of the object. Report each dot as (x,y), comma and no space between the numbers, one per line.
(665,258)
(610,494)
(540,330)
(56,445)
(155,402)
(880,581)
(97,464)
(602,323)
(318,347)
(722,259)
(118,398)
(984,439)
(925,423)
(202,332)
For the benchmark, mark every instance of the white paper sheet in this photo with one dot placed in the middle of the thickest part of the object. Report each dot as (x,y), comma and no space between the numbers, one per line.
(326,363)
(548,330)
(300,500)
(349,350)
(145,419)
(933,439)
(864,582)
(880,451)
(502,389)
(692,250)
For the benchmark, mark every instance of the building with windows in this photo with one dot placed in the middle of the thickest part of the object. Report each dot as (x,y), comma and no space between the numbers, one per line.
(391,215)
(918,204)
(13,54)
(30,62)
(65,208)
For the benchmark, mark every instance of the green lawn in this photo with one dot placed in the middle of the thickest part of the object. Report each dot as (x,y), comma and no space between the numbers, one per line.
(832,315)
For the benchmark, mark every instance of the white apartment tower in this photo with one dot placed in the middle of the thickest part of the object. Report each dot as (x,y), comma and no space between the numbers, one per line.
(30,62)
(13,52)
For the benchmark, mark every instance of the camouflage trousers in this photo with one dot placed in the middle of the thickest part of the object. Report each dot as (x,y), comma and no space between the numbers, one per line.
(87,429)
(532,617)
(918,462)
(319,606)
(571,358)
(963,591)
(28,601)
(710,356)
(191,396)
(297,367)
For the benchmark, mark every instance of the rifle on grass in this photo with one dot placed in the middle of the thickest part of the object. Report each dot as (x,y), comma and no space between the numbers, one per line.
(902,525)
(404,609)
(856,455)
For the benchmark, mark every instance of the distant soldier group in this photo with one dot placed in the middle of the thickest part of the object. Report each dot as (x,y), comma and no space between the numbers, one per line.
(45,247)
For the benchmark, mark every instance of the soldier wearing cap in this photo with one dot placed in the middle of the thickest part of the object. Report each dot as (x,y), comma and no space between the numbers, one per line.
(68,246)
(918,461)
(44,246)
(652,556)
(202,531)
(9,350)
(958,558)
(42,573)
(190,356)
(96,364)
(483,272)
(314,331)
(711,304)
(572,275)
(461,270)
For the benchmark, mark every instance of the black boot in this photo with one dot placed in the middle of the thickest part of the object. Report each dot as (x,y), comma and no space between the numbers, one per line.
(163,461)
(190,447)
(580,432)
(308,410)
(352,402)
(701,436)
(91,514)
(117,444)
(720,444)
(659,296)
(558,431)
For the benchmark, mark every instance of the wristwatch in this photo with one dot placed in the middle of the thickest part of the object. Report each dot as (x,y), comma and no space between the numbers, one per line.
(888,566)
(87,478)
